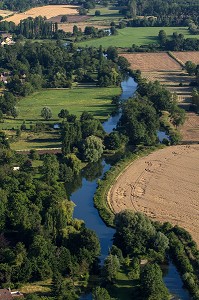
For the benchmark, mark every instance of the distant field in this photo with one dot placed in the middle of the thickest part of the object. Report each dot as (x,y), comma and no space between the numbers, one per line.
(188,55)
(47,11)
(68,27)
(139,36)
(152,62)
(93,99)
(165,69)
(5,13)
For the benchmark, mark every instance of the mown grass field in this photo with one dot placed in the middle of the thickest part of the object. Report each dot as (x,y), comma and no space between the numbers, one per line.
(135,35)
(95,100)
(111,13)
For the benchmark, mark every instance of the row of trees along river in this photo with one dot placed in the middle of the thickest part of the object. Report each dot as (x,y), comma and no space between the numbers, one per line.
(85,210)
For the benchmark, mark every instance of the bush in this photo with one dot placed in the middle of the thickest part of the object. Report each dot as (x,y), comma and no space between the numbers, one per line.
(97,13)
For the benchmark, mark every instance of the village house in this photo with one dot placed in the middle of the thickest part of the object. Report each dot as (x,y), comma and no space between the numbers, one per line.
(6,39)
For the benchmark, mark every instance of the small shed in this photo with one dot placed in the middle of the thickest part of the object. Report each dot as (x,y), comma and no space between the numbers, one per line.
(16,168)
(56,126)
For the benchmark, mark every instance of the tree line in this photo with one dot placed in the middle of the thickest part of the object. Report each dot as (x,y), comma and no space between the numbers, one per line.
(33,66)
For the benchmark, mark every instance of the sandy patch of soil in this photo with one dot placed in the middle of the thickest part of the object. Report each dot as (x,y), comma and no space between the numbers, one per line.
(164,185)
(47,11)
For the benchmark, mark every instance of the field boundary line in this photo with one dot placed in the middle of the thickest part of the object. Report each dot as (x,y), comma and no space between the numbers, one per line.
(175,58)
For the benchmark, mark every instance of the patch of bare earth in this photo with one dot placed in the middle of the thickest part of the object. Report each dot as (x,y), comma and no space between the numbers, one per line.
(47,11)
(164,185)
(5,13)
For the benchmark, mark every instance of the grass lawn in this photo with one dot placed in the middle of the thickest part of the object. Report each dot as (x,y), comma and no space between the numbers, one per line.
(107,13)
(42,140)
(42,288)
(135,35)
(124,287)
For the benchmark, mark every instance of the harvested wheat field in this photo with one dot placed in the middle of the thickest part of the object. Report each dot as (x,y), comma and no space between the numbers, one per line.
(47,11)
(164,185)
(190,129)
(5,13)
(68,27)
(185,56)
(152,62)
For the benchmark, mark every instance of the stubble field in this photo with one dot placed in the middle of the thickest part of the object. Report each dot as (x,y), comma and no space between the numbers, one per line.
(148,62)
(47,11)
(188,55)
(164,185)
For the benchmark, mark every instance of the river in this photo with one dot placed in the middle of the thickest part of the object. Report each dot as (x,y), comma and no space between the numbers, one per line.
(85,210)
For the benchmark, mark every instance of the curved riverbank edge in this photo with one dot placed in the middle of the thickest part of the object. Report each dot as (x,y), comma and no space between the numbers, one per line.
(105,184)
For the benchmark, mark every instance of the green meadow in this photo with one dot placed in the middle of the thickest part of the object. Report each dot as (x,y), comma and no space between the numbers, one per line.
(95,100)
(135,35)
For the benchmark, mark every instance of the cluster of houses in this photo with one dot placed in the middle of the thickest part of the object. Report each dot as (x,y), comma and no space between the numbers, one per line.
(6,294)
(6,39)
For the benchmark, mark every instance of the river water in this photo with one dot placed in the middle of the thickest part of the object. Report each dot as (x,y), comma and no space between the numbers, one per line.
(85,210)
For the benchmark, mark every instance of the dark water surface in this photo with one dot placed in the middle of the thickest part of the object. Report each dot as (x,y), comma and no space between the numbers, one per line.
(85,210)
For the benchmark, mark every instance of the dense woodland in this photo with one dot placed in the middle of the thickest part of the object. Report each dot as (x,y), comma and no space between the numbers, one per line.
(161,8)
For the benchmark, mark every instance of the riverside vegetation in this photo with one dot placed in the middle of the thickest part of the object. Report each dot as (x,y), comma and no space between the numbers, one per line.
(39,238)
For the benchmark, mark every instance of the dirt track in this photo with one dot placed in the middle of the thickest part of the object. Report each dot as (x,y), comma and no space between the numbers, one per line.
(164,185)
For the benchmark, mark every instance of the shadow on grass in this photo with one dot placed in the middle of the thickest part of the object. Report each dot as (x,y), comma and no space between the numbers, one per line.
(150,37)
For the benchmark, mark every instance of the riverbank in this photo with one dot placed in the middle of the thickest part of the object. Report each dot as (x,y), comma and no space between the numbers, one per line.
(164,185)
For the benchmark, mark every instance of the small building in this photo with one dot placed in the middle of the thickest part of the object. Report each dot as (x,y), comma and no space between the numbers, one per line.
(6,39)
(17,294)
(16,168)
(56,126)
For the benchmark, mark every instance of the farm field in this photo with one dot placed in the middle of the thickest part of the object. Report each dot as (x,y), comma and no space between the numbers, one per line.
(164,68)
(101,22)
(68,27)
(5,13)
(93,99)
(47,11)
(188,55)
(139,36)
(164,185)
(190,129)
(148,62)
